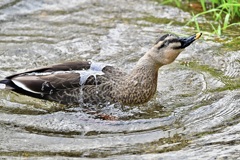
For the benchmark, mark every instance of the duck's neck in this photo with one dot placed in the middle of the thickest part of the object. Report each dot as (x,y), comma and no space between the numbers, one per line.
(147,62)
(140,85)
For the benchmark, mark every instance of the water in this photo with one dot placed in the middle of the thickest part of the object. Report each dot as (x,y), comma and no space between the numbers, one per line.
(194,114)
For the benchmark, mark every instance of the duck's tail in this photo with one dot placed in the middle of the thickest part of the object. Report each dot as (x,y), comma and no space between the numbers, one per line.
(6,84)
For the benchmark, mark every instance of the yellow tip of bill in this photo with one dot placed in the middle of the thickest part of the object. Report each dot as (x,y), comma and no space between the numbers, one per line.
(198,35)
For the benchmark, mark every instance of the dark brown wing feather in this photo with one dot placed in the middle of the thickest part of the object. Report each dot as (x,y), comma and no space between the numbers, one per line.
(68,66)
(49,83)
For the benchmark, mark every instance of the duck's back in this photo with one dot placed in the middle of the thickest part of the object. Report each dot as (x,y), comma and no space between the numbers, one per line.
(68,83)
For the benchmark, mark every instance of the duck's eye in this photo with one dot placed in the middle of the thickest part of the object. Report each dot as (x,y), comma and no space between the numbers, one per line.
(166,43)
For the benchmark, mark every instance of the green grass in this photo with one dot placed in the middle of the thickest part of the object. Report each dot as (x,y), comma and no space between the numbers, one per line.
(177,2)
(223,14)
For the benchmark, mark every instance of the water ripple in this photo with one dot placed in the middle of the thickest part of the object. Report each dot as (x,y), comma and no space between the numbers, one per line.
(209,116)
(194,115)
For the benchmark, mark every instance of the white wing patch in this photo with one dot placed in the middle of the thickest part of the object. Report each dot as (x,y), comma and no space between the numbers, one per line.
(47,73)
(23,86)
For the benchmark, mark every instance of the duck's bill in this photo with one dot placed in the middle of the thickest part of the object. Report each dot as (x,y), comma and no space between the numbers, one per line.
(187,41)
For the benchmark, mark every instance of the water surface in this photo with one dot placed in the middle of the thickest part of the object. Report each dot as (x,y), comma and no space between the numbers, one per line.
(194,115)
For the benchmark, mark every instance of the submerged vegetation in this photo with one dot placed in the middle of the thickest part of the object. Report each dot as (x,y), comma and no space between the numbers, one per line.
(222,14)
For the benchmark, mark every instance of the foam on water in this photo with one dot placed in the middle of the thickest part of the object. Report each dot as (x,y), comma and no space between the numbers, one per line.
(96,66)
(84,75)
(94,70)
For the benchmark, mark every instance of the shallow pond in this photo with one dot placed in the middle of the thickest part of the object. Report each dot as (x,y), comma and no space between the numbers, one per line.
(194,115)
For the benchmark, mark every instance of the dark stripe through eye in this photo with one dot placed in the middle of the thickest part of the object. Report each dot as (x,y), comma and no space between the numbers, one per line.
(162,45)
(167,42)
(173,40)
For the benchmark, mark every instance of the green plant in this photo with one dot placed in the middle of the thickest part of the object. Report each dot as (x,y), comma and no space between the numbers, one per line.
(177,2)
(224,12)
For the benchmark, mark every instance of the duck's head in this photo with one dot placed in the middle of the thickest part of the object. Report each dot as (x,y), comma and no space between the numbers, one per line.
(169,46)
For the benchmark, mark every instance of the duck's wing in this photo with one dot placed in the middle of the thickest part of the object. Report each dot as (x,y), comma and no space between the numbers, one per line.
(68,66)
(47,80)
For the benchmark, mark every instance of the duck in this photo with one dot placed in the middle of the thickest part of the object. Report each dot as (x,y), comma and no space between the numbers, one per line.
(95,83)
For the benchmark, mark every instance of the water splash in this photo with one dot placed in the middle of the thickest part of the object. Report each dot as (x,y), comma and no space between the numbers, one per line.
(84,75)
(96,66)
(94,70)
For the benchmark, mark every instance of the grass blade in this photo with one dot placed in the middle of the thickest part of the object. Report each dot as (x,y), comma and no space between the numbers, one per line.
(226,21)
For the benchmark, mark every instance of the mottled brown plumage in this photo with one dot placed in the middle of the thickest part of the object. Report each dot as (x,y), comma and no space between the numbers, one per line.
(84,82)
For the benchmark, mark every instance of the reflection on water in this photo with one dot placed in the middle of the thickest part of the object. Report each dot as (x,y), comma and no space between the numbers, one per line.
(194,115)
